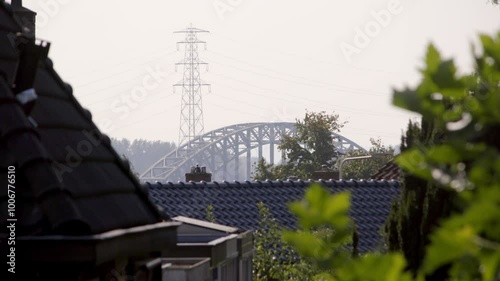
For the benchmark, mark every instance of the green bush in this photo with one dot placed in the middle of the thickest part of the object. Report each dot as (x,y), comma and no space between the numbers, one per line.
(467,244)
(274,259)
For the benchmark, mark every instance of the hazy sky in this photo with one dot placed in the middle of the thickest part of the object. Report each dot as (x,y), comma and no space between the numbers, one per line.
(269,60)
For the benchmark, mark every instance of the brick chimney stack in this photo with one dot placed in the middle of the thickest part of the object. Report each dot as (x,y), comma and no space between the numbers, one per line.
(325,174)
(198,174)
(26,17)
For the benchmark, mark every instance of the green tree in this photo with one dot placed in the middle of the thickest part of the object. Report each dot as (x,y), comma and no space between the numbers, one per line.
(306,152)
(460,123)
(422,204)
(142,153)
(465,161)
(320,208)
(274,259)
(313,144)
(365,168)
(265,171)
(210,213)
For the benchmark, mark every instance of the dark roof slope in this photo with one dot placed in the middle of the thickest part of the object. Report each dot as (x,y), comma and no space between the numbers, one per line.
(66,169)
(390,171)
(235,204)
(8,55)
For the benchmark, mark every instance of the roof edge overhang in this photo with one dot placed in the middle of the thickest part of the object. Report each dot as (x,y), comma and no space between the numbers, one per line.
(219,250)
(93,250)
(206,224)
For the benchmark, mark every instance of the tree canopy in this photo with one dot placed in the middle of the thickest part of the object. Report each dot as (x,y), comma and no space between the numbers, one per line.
(141,153)
(306,152)
(313,143)
(365,168)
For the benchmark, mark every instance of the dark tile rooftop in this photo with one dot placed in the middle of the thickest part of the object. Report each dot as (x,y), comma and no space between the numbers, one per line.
(235,204)
(8,55)
(390,171)
(69,180)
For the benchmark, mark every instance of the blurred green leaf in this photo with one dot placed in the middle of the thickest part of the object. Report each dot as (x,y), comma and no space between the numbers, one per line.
(407,99)
(413,161)
(447,246)
(336,210)
(388,267)
(443,154)
(491,266)
(432,59)
(307,244)
(465,242)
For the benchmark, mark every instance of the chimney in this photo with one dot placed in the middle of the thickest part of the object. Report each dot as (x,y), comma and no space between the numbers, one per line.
(198,174)
(325,174)
(26,17)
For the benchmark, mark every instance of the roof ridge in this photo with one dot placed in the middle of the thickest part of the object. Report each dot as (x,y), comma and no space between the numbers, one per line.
(281,183)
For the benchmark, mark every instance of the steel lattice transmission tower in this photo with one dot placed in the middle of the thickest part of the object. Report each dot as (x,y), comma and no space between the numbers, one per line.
(191,121)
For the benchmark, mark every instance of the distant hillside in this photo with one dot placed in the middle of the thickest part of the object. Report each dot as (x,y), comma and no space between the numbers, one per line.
(142,153)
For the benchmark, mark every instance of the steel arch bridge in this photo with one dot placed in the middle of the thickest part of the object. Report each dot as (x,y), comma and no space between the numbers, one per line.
(220,150)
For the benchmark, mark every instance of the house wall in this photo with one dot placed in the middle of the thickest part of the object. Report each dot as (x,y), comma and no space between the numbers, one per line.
(186,269)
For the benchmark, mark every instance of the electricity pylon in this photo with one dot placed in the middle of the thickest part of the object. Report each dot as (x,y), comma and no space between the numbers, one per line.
(191,120)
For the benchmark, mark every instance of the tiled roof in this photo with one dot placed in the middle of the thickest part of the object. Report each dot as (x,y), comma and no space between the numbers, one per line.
(235,204)
(8,55)
(67,172)
(390,171)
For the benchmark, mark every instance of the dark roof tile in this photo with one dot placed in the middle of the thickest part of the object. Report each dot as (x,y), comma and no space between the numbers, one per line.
(96,178)
(74,144)
(112,211)
(57,113)
(235,204)
(7,22)
(73,182)
(49,85)
(390,171)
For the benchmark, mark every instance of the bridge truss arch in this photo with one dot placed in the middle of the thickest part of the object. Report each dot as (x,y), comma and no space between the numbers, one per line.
(221,151)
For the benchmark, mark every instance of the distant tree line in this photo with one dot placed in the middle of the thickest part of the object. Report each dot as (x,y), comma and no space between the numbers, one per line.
(142,153)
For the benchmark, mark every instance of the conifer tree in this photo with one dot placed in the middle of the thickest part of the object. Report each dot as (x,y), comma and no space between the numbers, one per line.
(421,205)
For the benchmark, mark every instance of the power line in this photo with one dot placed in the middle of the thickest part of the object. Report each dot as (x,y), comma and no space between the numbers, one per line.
(297,82)
(308,100)
(355,90)
(304,57)
(127,61)
(236,110)
(142,104)
(145,119)
(88,83)
(118,93)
